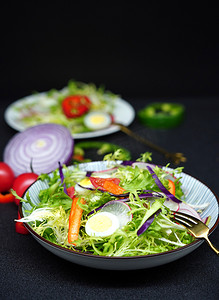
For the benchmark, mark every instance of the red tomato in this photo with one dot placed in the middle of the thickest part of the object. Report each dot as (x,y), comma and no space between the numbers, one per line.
(6,177)
(71,192)
(21,183)
(99,182)
(75,106)
(19,227)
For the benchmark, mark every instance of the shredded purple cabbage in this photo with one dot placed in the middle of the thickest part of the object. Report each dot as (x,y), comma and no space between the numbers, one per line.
(127,162)
(147,223)
(62,178)
(89,173)
(162,187)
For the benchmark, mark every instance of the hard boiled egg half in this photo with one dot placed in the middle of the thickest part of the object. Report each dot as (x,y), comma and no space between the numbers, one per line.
(83,186)
(112,216)
(102,224)
(97,120)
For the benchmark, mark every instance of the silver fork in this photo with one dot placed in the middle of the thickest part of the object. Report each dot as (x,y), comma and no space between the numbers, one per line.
(195,227)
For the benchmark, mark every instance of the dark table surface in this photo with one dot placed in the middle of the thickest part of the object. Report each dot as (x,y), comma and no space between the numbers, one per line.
(28,271)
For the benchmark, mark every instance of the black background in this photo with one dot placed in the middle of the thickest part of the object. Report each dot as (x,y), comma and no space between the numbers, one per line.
(146,49)
(144,52)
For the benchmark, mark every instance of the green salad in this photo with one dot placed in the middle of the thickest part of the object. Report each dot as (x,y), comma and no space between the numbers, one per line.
(67,107)
(124,210)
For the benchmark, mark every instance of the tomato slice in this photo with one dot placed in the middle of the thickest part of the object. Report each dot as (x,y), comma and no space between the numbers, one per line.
(99,182)
(71,192)
(75,106)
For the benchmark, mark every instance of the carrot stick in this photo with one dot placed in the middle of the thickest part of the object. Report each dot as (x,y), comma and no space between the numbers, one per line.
(75,220)
(171,187)
(112,187)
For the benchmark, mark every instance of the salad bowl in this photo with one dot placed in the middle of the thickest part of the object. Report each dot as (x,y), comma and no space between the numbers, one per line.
(196,193)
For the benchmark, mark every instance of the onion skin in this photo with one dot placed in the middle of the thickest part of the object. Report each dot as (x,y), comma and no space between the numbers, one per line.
(43,145)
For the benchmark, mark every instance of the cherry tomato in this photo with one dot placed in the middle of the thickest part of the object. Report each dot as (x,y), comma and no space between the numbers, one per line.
(6,177)
(21,183)
(75,106)
(19,227)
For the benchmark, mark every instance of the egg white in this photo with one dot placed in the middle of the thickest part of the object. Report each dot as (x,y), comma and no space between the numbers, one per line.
(102,224)
(97,120)
(83,184)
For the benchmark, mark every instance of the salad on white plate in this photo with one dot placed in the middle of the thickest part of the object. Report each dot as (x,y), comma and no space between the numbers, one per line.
(86,110)
(122,211)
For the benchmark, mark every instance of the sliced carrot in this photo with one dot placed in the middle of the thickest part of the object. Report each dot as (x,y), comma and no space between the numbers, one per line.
(112,187)
(75,220)
(171,187)
(78,157)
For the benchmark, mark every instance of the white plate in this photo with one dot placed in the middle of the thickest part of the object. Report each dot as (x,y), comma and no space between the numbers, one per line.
(123,113)
(196,193)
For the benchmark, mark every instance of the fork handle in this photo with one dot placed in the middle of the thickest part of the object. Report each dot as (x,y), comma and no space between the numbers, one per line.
(148,143)
(212,247)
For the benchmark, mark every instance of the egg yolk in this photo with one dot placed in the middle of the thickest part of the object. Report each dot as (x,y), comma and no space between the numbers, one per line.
(98,119)
(100,223)
(85,181)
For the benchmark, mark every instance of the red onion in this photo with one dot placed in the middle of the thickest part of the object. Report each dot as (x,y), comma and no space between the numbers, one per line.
(44,145)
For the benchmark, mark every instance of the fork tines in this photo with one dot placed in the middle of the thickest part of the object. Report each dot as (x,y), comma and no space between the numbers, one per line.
(185,219)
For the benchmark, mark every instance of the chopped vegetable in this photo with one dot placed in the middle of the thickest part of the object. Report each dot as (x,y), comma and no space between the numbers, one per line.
(151,211)
(99,182)
(136,195)
(62,177)
(162,115)
(39,147)
(112,187)
(66,107)
(71,192)
(76,105)
(162,187)
(171,187)
(75,220)
(6,177)
(19,226)
(120,209)
(102,149)
(21,183)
